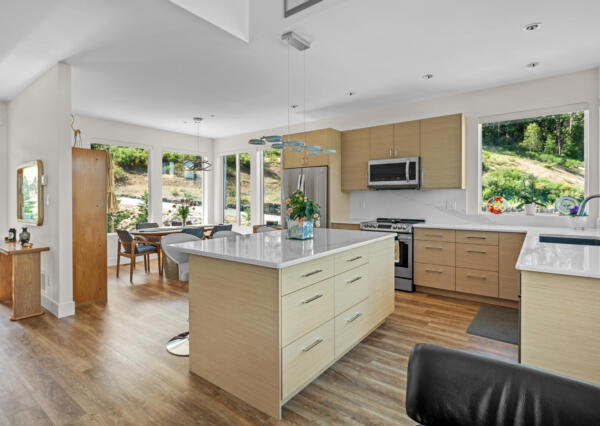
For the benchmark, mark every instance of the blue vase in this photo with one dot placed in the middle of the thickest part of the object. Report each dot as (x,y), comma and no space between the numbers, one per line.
(300,231)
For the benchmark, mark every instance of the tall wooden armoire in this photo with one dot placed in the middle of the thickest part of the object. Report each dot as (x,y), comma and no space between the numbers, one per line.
(89,225)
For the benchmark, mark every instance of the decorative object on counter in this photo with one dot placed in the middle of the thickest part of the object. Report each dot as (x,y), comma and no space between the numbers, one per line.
(77,142)
(567,206)
(27,245)
(528,196)
(184,207)
(24,236)
(12,235)
(496,205)
(302,215)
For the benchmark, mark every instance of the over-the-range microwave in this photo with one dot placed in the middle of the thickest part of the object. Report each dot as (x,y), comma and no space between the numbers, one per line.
(395,173)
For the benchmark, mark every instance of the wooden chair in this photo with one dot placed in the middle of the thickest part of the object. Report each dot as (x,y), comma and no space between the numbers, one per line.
(131,248)
(196,231)
(218,228)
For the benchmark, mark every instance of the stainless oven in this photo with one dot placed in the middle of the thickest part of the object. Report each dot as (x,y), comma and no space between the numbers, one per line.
(395,173)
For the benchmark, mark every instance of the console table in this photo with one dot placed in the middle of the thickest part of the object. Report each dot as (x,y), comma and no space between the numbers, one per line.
(20,272)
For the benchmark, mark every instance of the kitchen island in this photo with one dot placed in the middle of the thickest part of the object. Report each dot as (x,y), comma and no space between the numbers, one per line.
(268,314)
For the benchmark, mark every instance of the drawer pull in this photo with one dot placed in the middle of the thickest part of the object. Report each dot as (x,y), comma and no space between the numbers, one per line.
(433,248)
(312,299)
(355,317)
(477,251)
(434,271)
(472,237)
(354,259)
(434,235)
(312,345)
(477,277)
(353,280)
(309,274)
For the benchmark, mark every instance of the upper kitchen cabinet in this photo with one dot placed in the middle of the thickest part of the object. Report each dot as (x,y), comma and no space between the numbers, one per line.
(407,137)
(382,142)
(443,152)
(355,155)
(325,138)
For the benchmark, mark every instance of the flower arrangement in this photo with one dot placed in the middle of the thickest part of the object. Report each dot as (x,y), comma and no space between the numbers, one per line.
(183,208)
(301,209)
(574,211)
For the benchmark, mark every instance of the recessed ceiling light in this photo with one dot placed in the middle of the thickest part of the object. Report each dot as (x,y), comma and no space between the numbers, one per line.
(427,76)
(533,26)
(294,106)
(533,65)
(350,93)
(198,119)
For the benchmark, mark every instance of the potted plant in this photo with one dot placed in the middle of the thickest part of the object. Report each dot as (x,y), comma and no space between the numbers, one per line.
(528,197)
(302,216)
(183,208)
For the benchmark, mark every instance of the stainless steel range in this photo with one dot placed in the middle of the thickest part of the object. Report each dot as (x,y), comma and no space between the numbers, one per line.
(403,228)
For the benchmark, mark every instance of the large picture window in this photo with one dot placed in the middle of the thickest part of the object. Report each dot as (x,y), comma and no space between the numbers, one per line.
(236,189)
(545,153)
(272,187)
(181,180)
(130,172)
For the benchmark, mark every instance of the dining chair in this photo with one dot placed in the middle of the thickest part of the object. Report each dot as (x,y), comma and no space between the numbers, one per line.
(130,247)
(180,344)
(218,228)
(225,234)
(197,231)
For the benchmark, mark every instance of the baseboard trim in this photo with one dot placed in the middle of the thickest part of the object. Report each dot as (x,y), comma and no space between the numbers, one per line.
(59,310)
(470,297)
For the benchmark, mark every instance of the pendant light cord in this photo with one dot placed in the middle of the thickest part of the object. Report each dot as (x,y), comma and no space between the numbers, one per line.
(288,88)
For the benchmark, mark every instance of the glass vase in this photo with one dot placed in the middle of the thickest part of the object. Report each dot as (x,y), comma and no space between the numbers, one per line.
(300,230)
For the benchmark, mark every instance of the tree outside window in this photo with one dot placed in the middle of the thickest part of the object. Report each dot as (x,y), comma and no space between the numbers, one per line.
(181,180)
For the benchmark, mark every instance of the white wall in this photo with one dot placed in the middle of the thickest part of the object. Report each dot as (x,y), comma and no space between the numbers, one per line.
(96,130)
(538,95)
(38,129)
(3,166)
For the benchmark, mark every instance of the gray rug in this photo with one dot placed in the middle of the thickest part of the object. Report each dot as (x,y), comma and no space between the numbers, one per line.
(496,323)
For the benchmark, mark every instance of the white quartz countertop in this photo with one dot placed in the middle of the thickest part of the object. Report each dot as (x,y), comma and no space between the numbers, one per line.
(551,258)
(351,221)
(275,250)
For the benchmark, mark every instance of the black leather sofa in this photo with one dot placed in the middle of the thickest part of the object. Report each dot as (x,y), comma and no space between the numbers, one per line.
(452,387)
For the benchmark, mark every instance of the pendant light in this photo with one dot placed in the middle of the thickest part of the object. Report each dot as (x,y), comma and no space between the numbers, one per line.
(198,165)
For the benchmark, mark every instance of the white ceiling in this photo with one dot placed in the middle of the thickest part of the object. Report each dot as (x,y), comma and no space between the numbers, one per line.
(152,63)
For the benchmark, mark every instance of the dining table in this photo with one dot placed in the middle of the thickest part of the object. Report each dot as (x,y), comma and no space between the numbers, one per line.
(156,235)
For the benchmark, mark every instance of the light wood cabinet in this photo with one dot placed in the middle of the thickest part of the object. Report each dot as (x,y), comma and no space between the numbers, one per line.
(431,234)
(437,253)
(509,246)
(350,327)
(436,276)
(407,139)
(347,226)
(443,152)
(291,159)
(381,142)
(325,138)
(355,156)
(351,287)
(477,256)
(477,237)
(475,281)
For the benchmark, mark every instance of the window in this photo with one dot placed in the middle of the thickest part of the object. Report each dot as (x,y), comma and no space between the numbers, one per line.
(272,187)
(545,153)
(236,189)
(180,181)
(130,172)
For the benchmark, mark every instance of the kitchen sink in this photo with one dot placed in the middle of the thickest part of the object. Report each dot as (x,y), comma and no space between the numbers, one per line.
(563,239)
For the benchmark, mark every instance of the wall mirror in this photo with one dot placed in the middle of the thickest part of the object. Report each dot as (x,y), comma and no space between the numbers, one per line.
(30,205)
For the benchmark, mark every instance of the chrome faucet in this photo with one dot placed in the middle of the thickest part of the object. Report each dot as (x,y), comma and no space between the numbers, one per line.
(581,211)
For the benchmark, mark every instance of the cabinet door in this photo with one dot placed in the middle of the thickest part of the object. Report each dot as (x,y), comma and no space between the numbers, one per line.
(407,139)
(442,152)
(509,246)
(382,142)
(355,156)
(291,159)
(321,138)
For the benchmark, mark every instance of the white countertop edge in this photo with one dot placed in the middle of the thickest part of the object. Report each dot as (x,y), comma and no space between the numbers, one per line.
(275,265)
(476,227)
(351,221)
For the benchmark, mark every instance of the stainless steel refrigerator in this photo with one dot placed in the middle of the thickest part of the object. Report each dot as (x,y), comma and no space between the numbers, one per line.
(313,181)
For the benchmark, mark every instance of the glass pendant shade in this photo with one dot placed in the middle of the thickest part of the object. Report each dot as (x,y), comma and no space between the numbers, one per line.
(313,148)
(328,151)
(298,149)
(296,143)
(278,146)
(272,139)
(314,152)
(256,142)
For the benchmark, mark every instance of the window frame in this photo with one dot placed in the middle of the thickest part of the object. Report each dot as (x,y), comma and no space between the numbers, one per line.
(204,156)
(589,186)
(261,167)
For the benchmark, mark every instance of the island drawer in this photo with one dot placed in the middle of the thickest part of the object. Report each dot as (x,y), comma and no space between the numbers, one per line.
(436,276)
(304,274)
(428,234)
(351,259)
(477,256)
(436,253)
(477,237)
(350,327)
(351,287)
(306,309)
(483,283)
(305,358)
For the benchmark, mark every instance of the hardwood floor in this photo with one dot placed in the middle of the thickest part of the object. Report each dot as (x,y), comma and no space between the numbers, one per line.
(108,364)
